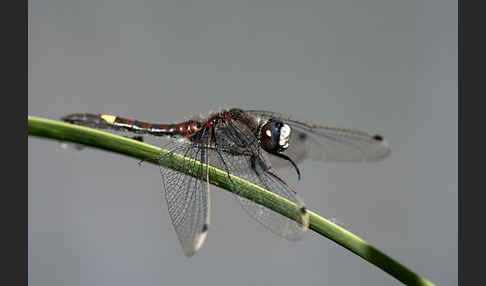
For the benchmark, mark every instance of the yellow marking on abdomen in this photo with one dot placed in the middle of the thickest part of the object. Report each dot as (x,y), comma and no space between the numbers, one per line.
(108,118)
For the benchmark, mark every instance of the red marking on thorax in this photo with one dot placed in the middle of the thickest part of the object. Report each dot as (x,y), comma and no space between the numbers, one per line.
(214,118)
(190,127)
(227,115)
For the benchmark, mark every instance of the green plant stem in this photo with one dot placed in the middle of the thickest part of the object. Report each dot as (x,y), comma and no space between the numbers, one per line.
(61,131)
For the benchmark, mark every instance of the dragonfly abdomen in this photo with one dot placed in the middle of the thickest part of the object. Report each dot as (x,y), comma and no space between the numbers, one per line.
(107,121)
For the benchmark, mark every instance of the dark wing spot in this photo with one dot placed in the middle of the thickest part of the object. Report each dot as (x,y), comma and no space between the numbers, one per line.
(204,228)
(302,136)
(303,210)
(378,137)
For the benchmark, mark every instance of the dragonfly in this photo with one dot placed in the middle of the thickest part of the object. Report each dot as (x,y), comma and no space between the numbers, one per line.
(249,144)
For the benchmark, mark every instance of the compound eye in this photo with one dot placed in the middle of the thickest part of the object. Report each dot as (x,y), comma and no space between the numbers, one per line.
(274,136)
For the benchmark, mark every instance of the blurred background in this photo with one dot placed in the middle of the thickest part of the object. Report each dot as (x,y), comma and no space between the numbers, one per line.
(390,67)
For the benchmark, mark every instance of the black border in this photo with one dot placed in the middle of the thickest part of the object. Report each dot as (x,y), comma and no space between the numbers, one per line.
(14,190)
(471,78)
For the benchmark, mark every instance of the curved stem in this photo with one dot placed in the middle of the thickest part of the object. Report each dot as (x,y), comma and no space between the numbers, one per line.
(57,130)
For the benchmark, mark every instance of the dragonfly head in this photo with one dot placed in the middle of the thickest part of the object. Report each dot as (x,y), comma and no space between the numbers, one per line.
(274,136)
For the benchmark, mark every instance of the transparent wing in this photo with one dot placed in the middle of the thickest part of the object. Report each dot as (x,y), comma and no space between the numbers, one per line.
(188,198)
(327,143)
(251,166)
(300,148)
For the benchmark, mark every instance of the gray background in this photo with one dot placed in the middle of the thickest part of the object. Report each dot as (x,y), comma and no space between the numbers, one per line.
(385,66)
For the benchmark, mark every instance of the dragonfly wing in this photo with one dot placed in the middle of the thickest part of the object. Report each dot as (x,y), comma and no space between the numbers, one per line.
(188,200)
(333,144)
(328,143)
(300,147)
(246,167)
(275,222)
(271,220)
